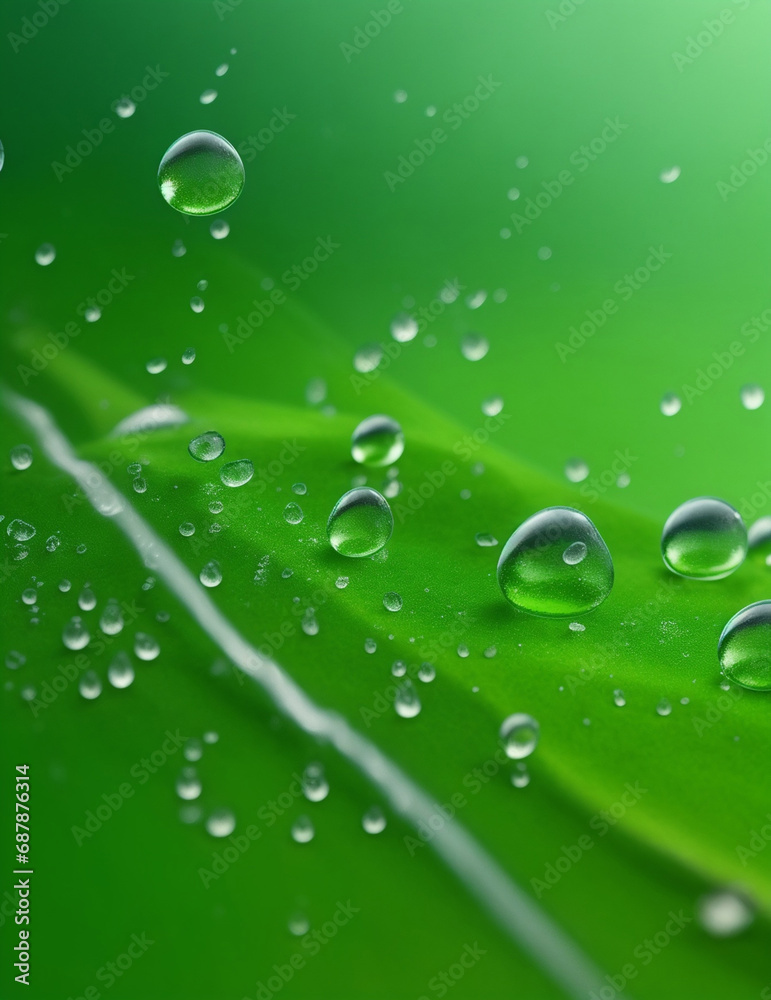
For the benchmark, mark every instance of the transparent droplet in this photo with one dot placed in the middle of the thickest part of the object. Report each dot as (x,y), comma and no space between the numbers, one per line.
(361,523)
(373,820)
(463,650)
(669,175)
(490,652)
(367,358)
(752,397)
(29,692)
(407,701)
(670,404)
(220,823)
(293,513)
(309,625)
(576,470)
(45,254)
(200,174)
(29,596)
(534,575)
(187,529)
(189,356)
(87,599)
(139,484)
(14,659)
(341,582)
(52,543)
(474,346)
(519,734)
(221,70)
(208,96)
(370,646)
(403,329)
(377,441)
(75,635)
(156,365)
(426,673)
(574,554)
(64,586)
(89,685)
(303,830)
(400,96)
(111,620)
(664,707)
(577,627)
(314,783)
(178,248)
(125,107)
(188,785)
(392,601)
(219,229)
(744,648)
(211,574)
(237,473)
(725,913)
(298,925)
(20,531)
(211,737)
(520,777)
(145,646)
(92,314)
(492,406)
(704,539)
(759,534)
(21,457)
(120,672)
(206,447)
(618,698)
(190,813)
(193,749)
(485,539)
(300,489)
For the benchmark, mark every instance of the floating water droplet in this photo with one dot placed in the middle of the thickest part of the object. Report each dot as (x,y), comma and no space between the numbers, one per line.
(14,659)
(664,707)
(303,830)
(207,447)
(187,529)
(29,596)
(178,248)
(211,574)
(400,96)
(52,543)
(361,523)
(111,620)
(156,365)
(669,175)
(64,586)
(237,473)
(45,254)
(21,457)
(188,785)
(87,599)
(300,489)
(189,356)
(670,404)
(576,470)
(341,582)
(221,70)
(367,358)
(407,701)
(474,346)
(219,229)
(309,625)
(485,540)
(520,778)
(618,698)
(89,685)
(534,575)
(759,534)
(75,635)
(370,646)
(211,737)
(403,329)
(293,513)
(206,98)
(145,646)
(426,672)
(493,406)
(193,749)
(200,174)
(519,734)
(120,672)
(744,648)
(392,601)
(724,913)
(125,107)
(197,304)
(377,441)
(752,397)
(314,783)
(20,531)
(373,820)
(139,485)
(220,823)
(574,554)
(704,539)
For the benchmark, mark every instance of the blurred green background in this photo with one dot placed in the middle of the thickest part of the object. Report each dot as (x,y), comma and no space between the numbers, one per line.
(683,92)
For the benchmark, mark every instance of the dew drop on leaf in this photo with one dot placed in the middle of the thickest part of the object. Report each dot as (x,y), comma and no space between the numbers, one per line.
(704,539)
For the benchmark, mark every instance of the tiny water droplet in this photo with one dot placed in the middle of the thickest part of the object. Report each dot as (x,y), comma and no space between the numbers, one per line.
(670,404)
(298,925)
(89,685)
(664,707)
(145,646)
(29,596)
(52,543)
(14,659)
(403,328)
(618,698)
(474,346)
(211,575)
(314,783)
(187,529)
(426,673)
(752,397)
(724,913)
(520,778)
(300,489)
(370,646)
(193,749)
(21,457)
(367,358)
(45,254)
(485,539)
(219,229)
(576,470)
(156,365)
(87,599)
(341,582)
(189,356)
(577,627)
(120,672)
(373,820)
(188,785)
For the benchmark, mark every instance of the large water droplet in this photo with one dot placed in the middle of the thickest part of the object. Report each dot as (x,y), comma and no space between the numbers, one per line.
(744,648)
(145,646)
(752,397)
(200,174)
(111,620)
(377,441)
(188,786)
(211,574)
(237,473)
(404,328)
(519,733)
(221,823)
(367,358)
(474,346)
(392,601)
(206,447)
(20,531)
(293,513)
(704,539)
(120,672)
(534,574)
(45,254)
(89,685)
(75,635)
(361,523)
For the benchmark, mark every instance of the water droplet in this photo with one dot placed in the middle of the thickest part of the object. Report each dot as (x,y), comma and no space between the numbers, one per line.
(400,96)
(208,96)
(219,229)
(485,540)
(373,820)
(670,175)
(704,539)
(426,672)
(14,659)
(211,575)
(45,254)
(370,646)
(120,672)
(759,533)
(361,523)
(188,785)
(618,698)
(187,529)
(156,365)
(574,554)
(206,447)
(89,685)
(300,489)
(314,783)
(20,531)
(367,358)
(200,174)
(534,575)
(303,830)
(752,397)
(87,599)
(474,346)
(490,652)
(237,473)
(220,823)
(577,627)
(520,778)
(125,107)
(111,620)
(193,749)
(64,586)
(293,513)
(744,648)
(724,913)
(670,404)
(377,441)
(21,457)
(178,248)
(189,356)
(145,646)
(52,543)
(341,582)
(519,734)
(29,692)
(197,304)
(75,635)
(664,707)
(407,701)
(221,70)
(576,470)
(211,737)
(29,596)
(392,601)
(139,484)
(403,329)
(492,406)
